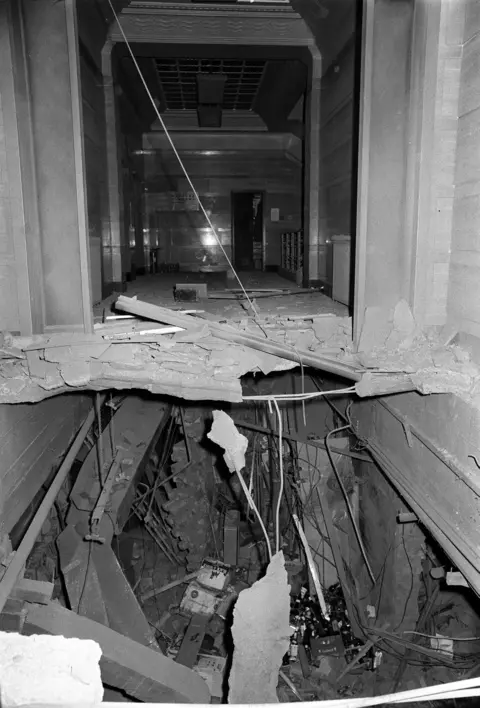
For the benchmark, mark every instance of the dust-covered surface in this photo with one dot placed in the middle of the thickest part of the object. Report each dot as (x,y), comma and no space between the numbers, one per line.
(47,669)
(393,354)
(193,365)
(392,343)
(261,632)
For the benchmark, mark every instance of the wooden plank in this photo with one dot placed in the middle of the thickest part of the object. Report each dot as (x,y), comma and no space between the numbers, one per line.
(142,673)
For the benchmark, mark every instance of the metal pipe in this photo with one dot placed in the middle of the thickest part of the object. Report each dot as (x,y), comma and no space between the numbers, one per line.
(18,561)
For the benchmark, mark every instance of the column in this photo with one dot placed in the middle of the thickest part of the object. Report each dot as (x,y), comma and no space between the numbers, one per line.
(52,50)
(113,235)
(315,233)
(381,249)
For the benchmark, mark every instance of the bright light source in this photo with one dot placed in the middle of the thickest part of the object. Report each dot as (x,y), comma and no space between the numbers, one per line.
(208,239)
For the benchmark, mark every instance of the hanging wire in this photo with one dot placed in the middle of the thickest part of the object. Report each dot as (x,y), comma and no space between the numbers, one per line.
(282,480)
(298,396)
(180,161)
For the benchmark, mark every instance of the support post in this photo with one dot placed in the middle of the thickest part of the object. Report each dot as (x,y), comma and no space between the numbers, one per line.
(381,257)
(52,49)
(314,258)
(21,259)
(113,238)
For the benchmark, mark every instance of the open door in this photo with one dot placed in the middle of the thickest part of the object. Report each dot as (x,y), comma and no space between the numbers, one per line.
(247,230)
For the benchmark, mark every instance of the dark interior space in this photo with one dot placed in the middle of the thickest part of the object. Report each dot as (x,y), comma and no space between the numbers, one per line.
(247,230)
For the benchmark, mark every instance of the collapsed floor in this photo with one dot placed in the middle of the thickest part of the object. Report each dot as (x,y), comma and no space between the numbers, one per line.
(152,540)
(199,346)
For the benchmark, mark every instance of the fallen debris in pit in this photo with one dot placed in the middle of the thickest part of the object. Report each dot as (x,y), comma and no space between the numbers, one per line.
(184,551)
(72,669)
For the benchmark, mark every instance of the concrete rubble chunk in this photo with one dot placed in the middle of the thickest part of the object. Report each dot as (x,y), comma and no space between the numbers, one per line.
(261,633)
(225,434)
(50,670)
(405,330)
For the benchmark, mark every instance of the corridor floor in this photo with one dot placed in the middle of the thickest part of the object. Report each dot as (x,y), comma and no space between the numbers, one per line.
(159,288)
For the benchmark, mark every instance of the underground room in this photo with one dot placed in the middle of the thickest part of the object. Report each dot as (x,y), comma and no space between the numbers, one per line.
(244,552)
(239,352)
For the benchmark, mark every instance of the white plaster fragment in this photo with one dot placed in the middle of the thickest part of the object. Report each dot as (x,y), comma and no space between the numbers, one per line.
(49,670)
(225,434)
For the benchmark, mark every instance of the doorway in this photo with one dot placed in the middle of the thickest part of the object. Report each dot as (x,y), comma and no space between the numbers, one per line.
(247,230)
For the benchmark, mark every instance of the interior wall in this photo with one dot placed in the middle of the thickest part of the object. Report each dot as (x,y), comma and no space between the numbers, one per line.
(338,136)
(432,444)
(463,307)
(33,440)
(182,236)
(395,551)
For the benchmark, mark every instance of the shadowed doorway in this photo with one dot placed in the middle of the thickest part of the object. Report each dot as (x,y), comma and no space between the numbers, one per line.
(247,228)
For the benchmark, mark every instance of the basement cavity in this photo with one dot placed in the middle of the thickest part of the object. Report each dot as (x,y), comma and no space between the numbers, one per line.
(172,558)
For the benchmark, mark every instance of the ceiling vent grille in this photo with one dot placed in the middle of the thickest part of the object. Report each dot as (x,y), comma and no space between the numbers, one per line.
(178,78)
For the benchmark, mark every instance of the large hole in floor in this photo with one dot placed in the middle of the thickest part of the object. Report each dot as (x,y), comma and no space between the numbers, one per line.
(153,536)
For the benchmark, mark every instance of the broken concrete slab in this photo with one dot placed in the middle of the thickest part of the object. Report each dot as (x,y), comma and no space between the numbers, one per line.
(48,670)
(261,635)
(65,354)
(77,373)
